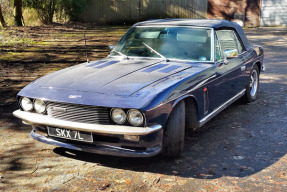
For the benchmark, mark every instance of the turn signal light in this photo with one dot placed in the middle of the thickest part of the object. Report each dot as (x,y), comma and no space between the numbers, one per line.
(132,137)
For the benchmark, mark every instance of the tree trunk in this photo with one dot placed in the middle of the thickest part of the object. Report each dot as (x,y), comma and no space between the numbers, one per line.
(51,11)
(2,18)
(18,12)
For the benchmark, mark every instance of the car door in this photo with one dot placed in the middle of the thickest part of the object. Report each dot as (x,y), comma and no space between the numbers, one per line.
(229,70)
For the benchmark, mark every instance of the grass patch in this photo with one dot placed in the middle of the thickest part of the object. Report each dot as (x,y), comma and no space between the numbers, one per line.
(14,40)
(17,41)
(12,56)
(43,43)
(8,40)
(73,35)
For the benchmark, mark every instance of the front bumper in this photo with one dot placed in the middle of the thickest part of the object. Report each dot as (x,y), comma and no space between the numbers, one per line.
(149,144)
(38,119)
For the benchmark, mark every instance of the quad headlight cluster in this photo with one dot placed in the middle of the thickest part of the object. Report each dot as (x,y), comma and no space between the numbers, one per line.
(119,116)
(133,116)
(29,105)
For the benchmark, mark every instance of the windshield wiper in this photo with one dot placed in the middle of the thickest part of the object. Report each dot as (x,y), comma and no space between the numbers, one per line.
(154,51)
(120,54)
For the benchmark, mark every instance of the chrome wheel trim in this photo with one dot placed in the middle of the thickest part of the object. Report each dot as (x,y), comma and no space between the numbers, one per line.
(253,83)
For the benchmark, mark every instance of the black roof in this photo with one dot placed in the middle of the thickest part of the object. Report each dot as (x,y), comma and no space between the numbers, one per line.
(210,23)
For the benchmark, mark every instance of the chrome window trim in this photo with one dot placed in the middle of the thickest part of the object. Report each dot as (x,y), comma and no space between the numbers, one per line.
(215,34)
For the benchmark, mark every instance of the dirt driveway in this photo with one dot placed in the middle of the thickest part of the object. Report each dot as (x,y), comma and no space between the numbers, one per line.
(242,149)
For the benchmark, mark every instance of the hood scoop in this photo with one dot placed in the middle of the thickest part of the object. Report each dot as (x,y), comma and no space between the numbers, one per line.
(169,69)
(154,68)
(165,69)
(106,64)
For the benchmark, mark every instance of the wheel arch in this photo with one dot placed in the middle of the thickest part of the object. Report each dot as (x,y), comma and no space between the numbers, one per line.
(191,107)
(259,65)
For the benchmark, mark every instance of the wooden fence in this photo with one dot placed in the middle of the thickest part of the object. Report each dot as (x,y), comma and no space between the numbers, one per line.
(130,11)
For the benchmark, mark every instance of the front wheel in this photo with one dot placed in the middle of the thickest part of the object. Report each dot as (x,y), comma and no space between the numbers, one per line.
(173,139)
(252,85)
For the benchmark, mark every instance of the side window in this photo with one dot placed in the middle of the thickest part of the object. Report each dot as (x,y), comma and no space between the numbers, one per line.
(226,40)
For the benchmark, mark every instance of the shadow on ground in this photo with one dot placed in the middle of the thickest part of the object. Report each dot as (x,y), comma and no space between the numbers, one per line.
(239,142)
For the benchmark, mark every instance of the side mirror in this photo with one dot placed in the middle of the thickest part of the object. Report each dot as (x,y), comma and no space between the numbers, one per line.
(111,47)
(230,53)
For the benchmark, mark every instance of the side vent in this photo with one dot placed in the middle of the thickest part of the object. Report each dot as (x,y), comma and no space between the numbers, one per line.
(106,64)
(156,67)
(169,69)
(206,100)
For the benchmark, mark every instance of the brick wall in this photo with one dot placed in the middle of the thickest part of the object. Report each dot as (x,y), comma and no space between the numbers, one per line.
(245,11)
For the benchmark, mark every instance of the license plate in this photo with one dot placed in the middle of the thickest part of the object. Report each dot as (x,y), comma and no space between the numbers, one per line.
(70,134)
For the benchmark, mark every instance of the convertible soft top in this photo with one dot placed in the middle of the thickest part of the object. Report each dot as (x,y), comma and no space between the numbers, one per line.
(211,23)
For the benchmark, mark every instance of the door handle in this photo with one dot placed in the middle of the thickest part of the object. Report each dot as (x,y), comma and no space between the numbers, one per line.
(243,68)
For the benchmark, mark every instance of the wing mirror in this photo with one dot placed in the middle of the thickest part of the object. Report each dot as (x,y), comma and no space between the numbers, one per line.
(230,53)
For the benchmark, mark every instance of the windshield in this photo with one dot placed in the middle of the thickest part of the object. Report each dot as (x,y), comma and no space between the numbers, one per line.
(184,43)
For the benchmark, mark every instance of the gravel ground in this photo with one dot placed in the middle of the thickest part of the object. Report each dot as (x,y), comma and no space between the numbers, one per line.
(242,149)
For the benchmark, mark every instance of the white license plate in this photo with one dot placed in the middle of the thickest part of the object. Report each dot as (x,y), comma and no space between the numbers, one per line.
(70,134)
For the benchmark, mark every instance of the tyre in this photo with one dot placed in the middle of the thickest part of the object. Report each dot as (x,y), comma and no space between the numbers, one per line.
(173,139)
(191,118)
(252,85)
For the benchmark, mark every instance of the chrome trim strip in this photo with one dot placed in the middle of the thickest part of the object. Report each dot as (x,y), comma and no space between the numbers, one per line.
(212,54)
(221,108)
(34,118)
(171,25)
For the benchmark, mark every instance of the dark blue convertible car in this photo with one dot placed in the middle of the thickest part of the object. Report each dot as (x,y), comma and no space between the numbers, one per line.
(164,77)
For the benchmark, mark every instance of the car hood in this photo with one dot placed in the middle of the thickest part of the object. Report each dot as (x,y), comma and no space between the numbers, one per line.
(109,82)
(116,77)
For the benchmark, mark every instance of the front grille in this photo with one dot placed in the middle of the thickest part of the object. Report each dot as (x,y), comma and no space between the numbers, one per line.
(78,113)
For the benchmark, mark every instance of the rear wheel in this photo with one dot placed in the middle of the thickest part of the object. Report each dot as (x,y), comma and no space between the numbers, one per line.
(252,86)
(173,139)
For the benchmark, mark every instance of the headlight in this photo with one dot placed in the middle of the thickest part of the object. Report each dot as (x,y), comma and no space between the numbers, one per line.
(118,116)
(39,106)
(26,104)
(135,117)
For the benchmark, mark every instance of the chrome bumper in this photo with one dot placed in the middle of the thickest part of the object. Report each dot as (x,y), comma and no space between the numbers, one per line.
(39,119)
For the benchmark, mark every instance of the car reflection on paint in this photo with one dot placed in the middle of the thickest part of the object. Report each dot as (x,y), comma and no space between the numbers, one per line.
(162,78)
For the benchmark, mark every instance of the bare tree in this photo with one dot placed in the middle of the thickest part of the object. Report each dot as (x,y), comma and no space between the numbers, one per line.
(2,18)
(18,12)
